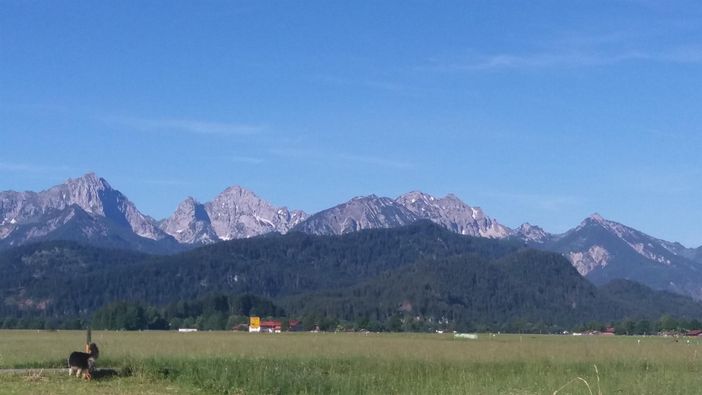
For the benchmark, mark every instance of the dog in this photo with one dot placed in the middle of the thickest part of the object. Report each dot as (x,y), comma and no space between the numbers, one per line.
(83,363)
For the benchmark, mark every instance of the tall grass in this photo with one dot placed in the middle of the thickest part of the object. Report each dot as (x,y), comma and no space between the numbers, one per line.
(236,363)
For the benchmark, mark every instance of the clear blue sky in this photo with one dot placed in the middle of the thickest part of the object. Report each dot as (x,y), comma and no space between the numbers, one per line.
(536,111)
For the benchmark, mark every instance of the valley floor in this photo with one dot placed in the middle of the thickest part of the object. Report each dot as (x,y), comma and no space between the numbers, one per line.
(354,363)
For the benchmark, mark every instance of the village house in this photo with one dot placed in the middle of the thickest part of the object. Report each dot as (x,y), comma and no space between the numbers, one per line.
(270,326)
(609,331)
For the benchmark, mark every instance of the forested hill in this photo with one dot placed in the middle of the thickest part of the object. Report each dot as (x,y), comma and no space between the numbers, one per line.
(275,266)
(420,271)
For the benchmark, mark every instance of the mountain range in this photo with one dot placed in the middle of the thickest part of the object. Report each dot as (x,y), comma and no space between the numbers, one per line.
(89,210)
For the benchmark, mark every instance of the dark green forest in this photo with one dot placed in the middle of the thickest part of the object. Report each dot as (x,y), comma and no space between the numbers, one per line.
(416,278)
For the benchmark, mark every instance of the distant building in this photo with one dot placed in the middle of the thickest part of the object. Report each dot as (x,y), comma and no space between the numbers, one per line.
(186,330)
(254,324)
(695,333)
(271,326)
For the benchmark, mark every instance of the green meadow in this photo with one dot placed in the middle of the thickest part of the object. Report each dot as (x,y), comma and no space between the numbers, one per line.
(353,363)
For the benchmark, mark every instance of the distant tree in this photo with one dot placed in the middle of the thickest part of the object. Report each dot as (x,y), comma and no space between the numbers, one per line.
(9,323)
(625,327)
(667,323)
(643,327)
(124,316)
(395,323)
(594,326)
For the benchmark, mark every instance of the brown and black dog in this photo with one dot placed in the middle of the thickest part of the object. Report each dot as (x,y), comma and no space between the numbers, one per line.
(83,363)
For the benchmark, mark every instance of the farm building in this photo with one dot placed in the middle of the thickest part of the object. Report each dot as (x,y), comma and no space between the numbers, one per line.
(694,333)
(269,326)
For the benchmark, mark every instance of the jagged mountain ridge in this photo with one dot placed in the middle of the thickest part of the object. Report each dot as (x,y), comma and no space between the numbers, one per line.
(453,214)
(89,192)
(235,213)
(374,212)
(87,209)
(359,213)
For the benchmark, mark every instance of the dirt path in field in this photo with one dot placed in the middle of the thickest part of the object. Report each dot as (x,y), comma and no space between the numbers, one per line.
(104,372)
(27,371)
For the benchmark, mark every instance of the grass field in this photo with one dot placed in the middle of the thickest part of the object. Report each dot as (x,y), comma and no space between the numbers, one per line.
(352,363)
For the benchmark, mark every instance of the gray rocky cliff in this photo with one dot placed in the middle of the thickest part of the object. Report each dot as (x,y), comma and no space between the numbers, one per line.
(453,214)
(190,224)
(532,234)
(90,193)
(233,214)
(364,212)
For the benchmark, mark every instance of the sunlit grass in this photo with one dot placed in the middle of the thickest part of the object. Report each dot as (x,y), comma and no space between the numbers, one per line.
(229,362)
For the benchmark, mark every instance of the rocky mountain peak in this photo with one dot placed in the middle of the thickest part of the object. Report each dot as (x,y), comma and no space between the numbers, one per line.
(597,218)
(89,192)
(361,212)
(237,191)
(192,207)
(105,212)
(365,198)
(616,228)
(234,213)
(239,213)
(454,214)
(532,233)
(417,195)
(90,180)
(190,223)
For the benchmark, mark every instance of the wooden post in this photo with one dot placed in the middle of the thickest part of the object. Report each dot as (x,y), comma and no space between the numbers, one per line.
(88,340)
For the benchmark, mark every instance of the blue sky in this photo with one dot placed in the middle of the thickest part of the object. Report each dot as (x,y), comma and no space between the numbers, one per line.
(540,111)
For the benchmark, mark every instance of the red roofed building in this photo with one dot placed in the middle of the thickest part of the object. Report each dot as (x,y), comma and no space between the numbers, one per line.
(271,326)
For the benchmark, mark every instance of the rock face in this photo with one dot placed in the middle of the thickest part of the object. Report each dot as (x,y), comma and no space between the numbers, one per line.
(604,250)
(370,212)
(84,208)
(363,212)
(238,213)
(586,261)
(532,234)
(190,224)
(453,214)
(234,214)
(91,193)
